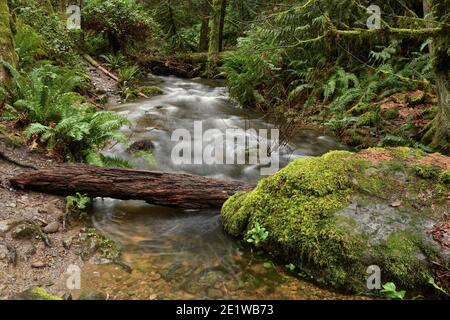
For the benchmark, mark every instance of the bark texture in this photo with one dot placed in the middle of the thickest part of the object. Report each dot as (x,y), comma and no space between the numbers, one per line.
(166,189)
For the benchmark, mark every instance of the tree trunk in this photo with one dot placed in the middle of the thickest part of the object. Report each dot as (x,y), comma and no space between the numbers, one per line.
(222,24)
(214,38)
(7,52)
(166,189)
(203,45)
(439,133)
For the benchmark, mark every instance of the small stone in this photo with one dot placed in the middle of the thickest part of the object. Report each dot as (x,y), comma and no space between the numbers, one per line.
(4,252)
(52,227)
(153,297)
(11,205)
(155,276)
(6,225)
(38,265)
(396,203)
(67,243)
(23,231)
(89,247)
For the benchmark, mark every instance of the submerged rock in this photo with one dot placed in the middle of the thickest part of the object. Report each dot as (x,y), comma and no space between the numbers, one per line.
(334,216)
(142,145)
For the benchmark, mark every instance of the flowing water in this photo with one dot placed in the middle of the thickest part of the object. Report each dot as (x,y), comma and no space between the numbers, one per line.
(179,254)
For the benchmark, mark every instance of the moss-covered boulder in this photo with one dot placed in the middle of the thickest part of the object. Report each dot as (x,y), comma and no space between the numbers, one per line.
(337,215)
(36,293)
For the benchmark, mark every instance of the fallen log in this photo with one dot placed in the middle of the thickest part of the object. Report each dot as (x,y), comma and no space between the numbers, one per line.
(166,189)
(97,65)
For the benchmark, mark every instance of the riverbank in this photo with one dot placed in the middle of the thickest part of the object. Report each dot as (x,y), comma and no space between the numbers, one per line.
(38,242)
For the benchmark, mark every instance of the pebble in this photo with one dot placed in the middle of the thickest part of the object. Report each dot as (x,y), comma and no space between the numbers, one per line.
(38,265)
(67,243)
(29,249)
(3,252)
(52,227)
(6,225)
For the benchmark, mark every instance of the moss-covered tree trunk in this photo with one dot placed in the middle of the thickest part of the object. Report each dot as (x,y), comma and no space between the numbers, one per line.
(46,5)
(222,23)
(204,30)
(7,52)
(214,38)
(439,134)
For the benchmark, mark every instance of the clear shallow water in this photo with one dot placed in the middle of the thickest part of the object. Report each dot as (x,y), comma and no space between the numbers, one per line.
(177,254)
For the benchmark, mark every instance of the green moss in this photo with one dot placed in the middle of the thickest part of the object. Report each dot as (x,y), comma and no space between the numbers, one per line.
(400,258)
(305,209)
(430,113)
(425,172)
(151,91)
(368,119)
(391,114)
(297,207)
(355,138)
(416,99)
(234,215)
(444,178)
(359,109)
(38,293)
(406,153)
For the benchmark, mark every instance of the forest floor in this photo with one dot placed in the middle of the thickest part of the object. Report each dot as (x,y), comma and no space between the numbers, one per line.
(35,249)
(104,90)
(27,221)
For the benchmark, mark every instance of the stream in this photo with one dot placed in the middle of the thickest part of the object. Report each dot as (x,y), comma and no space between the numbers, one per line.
(182,254)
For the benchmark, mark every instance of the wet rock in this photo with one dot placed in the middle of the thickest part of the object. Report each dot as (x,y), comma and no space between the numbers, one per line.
(142,145)
(52,227)
(92,295)
(88,248)
(24,231)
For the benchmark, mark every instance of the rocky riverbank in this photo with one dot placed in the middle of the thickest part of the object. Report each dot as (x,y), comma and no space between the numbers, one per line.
(36,246)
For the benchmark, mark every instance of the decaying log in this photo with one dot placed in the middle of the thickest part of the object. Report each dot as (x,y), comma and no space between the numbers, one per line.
(166,189)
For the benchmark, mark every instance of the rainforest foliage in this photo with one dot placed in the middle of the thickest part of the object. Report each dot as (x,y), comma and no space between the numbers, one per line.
(302,62)
(374,73)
